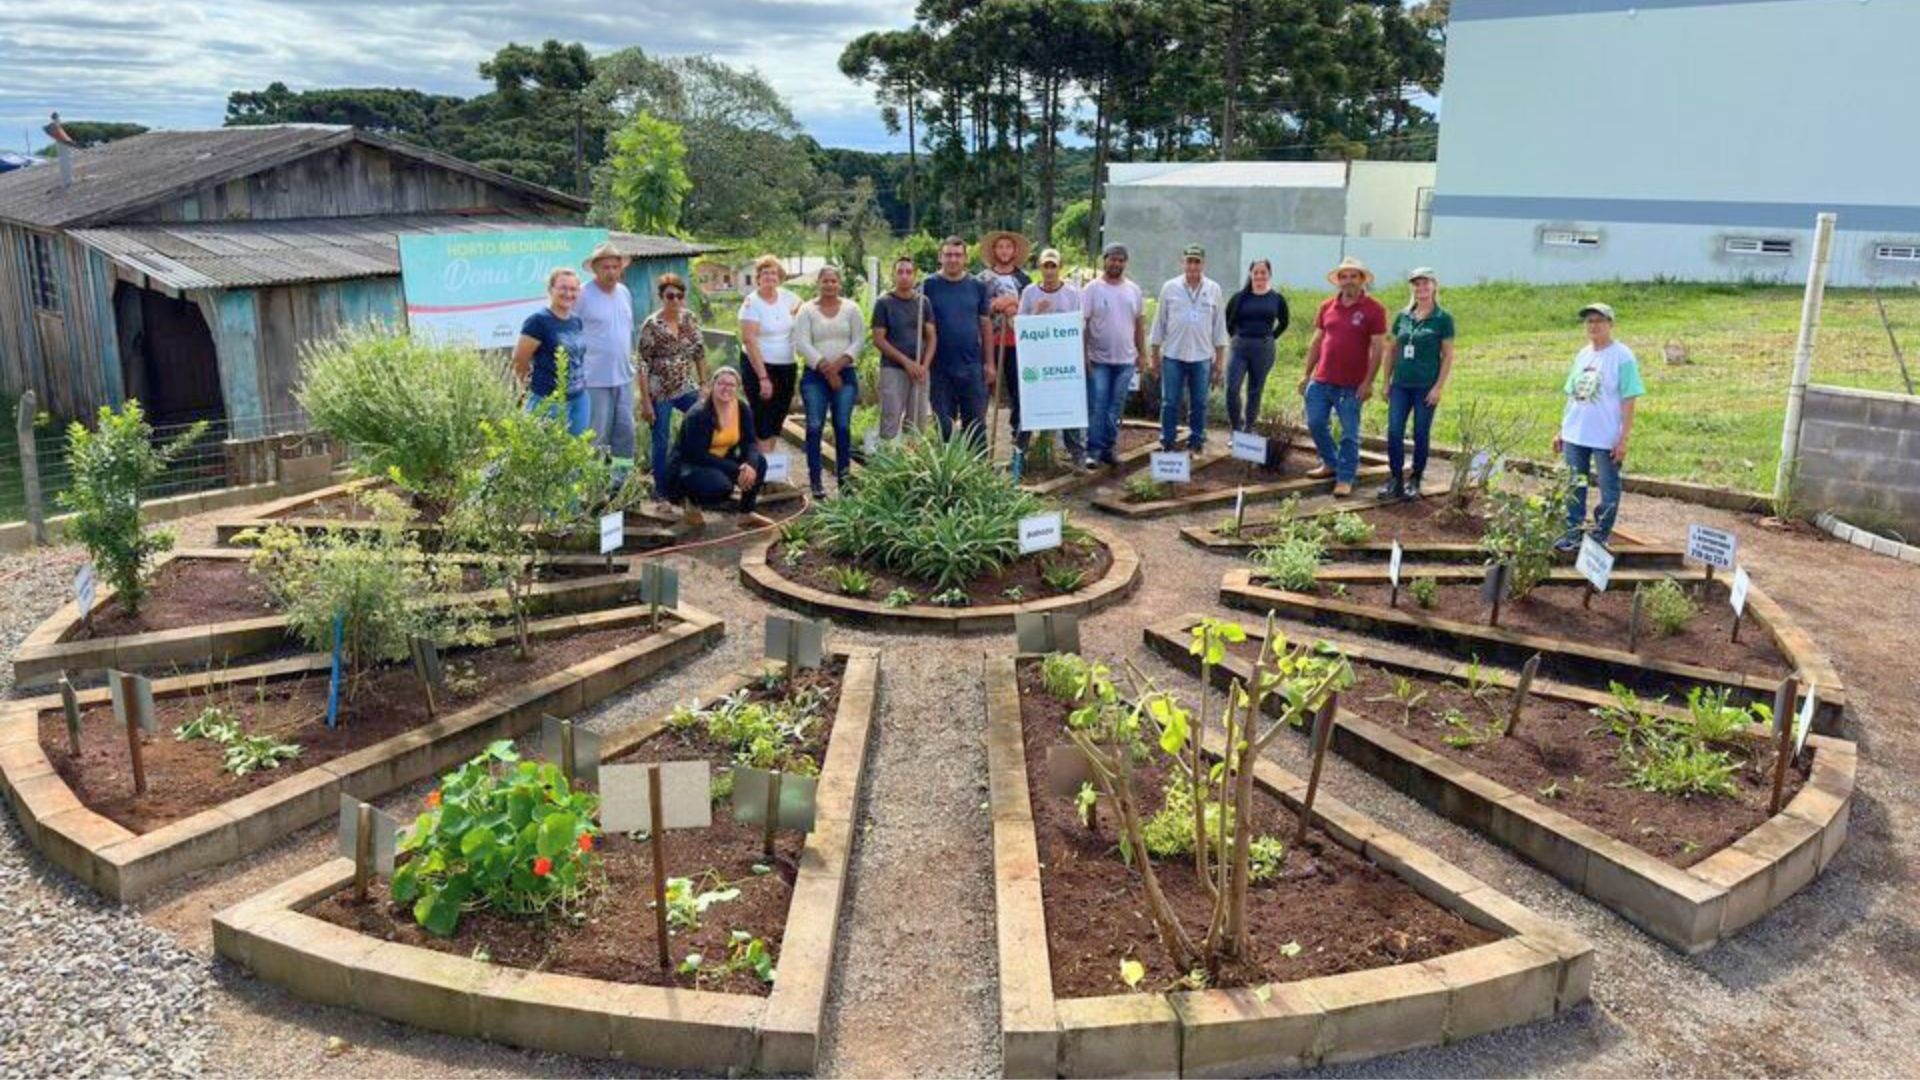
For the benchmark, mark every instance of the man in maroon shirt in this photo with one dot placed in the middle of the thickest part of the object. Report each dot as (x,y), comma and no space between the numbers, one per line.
(1349,339)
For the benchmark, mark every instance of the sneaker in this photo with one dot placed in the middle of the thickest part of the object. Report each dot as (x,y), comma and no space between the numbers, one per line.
(1567,545)
(1414,485)
(1391,491)
(1319,472)
(1019,464)
(1090,463)
(819,494)
(1341,491)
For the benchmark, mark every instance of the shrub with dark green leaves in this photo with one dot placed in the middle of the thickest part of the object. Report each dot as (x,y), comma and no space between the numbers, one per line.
(1293,562)
(110,468)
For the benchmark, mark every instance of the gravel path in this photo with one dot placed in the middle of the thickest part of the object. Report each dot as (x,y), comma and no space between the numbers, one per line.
(1822,985)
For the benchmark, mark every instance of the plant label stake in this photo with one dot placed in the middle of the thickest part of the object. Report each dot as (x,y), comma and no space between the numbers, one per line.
(613,533)
(426,667)
(653,798)
(794,642)
(1492,589)
(83,593)
(1250,448)
(1520,689)
(1713,547)
(1047,632)
(1633,623)
(1067,769)
(779,468)
(1803,720)
(1042,532)
(1737,596)
(369,838)
(1783,702)
(660,588)
(657,843)
(574,748)
(773,800)
(333,681)
(133,706)
(1322,734)
(1393,574)
(1171,468)
(70,705)
(1595,563)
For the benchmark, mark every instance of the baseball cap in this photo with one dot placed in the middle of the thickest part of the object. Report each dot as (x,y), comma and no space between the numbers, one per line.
(1115,248)
(1049,256)
(1427,272)
(1605,311)
(1194,251)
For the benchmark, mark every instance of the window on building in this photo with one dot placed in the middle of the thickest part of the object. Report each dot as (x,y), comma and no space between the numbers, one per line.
(1755,245)
(1423,213)
(1569,238)
(1897,252)
(46,285)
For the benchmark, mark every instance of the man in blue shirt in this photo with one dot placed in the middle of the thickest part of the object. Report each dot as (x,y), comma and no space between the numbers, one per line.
(960,382)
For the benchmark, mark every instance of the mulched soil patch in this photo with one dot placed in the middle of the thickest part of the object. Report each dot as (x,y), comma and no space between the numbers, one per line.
(184,778)
(1228,474)
(195,592)
(1345,913)
(1131,438)
(613,939)
(1563,748)
(815,567)
(1555,611)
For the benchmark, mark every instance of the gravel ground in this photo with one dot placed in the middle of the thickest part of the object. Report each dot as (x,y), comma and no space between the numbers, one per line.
(1822,985)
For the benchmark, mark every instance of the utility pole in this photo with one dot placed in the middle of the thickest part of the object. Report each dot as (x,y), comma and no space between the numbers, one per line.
(1803,356)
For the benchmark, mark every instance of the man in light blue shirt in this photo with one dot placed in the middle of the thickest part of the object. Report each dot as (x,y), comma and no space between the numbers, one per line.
(1601,389)
(606,307)
(1190,332)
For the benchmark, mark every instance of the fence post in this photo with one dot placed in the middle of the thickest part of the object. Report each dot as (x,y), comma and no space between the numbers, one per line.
(1803,355)
(30,467)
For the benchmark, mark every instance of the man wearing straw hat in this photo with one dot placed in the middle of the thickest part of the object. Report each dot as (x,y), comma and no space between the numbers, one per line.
(1005,254)
(1349,342)
(606,307)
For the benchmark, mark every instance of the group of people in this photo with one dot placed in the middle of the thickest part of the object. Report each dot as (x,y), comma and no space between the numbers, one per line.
(947,344)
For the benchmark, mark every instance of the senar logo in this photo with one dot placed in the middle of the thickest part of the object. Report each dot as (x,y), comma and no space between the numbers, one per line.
(1031,375)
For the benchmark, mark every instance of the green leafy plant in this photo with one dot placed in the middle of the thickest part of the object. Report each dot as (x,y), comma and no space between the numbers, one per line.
(1292,562)
(1406,695)
(1266,855)
(1481,686)
(801,530)
(246,753)
(1014,593)
(213,723)
(1065,675)
(111,466)
(1142,487)
(898,598)
(1063,579)
(1425,591)
(410,408)
(1667,606)
(1521,529)
(766,734)
(851,580)
(1350,528)
(1085,802)
(1464,733)
(954,597)
(1479,428)
(1684,754)
(685,907)
(1228,527)
(503,833)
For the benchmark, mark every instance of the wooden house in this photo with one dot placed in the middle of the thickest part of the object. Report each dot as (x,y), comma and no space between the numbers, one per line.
(186,268)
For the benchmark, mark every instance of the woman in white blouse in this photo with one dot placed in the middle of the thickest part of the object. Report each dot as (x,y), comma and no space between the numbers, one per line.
(828,334)
(766,338)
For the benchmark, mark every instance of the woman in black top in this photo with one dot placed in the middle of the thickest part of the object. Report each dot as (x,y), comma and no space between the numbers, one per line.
(709,474)
(1256,316)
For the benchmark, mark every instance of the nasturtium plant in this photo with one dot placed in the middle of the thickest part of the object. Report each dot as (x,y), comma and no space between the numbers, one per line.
(506,834)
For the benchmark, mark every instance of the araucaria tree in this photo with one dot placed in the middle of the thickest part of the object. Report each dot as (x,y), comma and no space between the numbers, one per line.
(111,465)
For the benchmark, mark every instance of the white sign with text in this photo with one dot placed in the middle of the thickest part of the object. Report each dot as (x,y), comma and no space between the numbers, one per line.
(1173,468)
(1042,532)
(1053,373)
(83,589)
(1250,447)
(1714,547)
(779,468)
(1595,563)
(613,531)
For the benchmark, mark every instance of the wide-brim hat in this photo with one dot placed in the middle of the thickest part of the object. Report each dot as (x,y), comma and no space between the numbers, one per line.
(1022,247)
(605,250)
(1349,263)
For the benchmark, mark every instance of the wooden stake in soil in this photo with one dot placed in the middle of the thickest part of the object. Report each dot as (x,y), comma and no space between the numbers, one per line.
(1322,734)
(132,698)
(773,810)
(1494,589)
(1633,624)
(1784,701)
(566,752)
(363,853)
(657,840)
(70,704)
(1520,689)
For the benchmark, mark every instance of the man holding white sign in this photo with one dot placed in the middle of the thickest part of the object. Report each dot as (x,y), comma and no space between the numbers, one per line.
(1053,295)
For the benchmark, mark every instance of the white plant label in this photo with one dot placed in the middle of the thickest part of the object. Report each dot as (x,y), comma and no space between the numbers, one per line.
(779,467)
(1240,504)
(613,532)
(1042,532)
(1250,447)
(83,589)
(1803,723)
(1714,547)
(1595,563)
(1133,382)
(1173,468)
(1393,564)
(1737,595)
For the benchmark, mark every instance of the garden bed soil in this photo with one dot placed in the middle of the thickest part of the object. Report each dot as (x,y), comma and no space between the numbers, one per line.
(1554,610)
(184,778)
(1345,913)
(1563,748)
(1131,439)
(1411,521)
(1228,473)
(815,567)
(614,940)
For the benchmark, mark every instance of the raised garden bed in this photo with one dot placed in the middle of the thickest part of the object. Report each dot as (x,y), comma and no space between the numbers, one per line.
(1576,642)
(1396,948)
(195,817)
(1138,441)
(1110,569)
(205,608)
(1691,871)
(1218,480)
(1426,531)
(595,989)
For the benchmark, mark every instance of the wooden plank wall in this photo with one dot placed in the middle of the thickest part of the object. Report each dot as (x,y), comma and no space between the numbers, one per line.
(71,359)
(640,278)
(285,319)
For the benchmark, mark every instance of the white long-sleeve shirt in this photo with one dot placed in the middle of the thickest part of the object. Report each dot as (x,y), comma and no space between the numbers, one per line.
(1190,323)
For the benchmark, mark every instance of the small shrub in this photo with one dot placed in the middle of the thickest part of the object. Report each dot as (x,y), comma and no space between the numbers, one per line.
(1292,563)
(851,580)
(954,597)
(1522,528)
(1014,593)
(1064,675)
(1667,606)
(1142,487)
(1349,528)
(1478,429)
(1425,591)
(1680,768)
(110,467)
(898,598)
(765,734)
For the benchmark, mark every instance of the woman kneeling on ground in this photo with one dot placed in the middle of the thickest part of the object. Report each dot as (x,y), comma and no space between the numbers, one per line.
(715,455)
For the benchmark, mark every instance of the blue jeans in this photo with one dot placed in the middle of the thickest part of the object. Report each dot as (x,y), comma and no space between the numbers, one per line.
(579,411)
(611,411)
(1249,360)
(962,394)
(818,397)
(1403,401)
(1580,459)
(1184,379)
(1323,401)
(1106,399)
(659,435)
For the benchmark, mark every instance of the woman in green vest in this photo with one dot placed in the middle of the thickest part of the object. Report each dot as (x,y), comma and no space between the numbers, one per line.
(1419,361)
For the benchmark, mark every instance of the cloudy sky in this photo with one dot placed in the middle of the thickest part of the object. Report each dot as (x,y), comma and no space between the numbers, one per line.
(173,64)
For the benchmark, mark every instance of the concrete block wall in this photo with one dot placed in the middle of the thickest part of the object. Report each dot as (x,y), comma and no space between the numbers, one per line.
(1860,455)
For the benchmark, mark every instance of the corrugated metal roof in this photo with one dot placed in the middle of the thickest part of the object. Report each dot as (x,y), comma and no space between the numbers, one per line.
(1235,174)
(248,254)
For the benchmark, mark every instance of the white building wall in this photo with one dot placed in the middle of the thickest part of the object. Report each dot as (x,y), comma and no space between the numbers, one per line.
(1382,197)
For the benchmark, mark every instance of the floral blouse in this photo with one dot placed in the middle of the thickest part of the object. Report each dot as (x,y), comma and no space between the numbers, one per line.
(670,358)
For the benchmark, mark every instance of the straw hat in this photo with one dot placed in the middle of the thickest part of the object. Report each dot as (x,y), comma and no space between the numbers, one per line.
(1349,263)
(605,250)
(1022,247)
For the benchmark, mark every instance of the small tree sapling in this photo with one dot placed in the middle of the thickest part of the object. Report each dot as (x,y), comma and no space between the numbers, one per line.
(111,465)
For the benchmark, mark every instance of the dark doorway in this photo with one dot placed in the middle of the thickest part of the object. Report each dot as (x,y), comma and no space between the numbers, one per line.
(167,356)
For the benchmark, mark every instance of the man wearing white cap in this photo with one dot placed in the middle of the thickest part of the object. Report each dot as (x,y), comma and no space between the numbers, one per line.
(1054,295)
(1349,340)
(606,307)
(1601,390)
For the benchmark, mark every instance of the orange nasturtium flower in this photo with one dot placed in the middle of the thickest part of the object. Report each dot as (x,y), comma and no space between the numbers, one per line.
(433,799)
(542,866)
(586,841)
